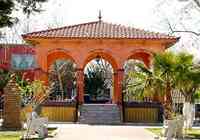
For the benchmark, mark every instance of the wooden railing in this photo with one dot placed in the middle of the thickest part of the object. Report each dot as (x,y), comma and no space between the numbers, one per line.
(60,111)
(142,112)
(55,111)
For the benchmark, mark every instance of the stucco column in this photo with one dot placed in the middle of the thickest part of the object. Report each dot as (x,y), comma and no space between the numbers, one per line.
(41,72)
(80,85)
(41,75)
(118,78)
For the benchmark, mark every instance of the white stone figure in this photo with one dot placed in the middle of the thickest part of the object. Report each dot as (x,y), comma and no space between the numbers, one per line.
(36,124)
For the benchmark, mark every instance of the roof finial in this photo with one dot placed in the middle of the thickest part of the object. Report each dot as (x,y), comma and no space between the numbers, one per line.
(100,17)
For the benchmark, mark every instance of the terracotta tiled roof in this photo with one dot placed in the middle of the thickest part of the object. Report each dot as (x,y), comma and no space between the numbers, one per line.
(97,30)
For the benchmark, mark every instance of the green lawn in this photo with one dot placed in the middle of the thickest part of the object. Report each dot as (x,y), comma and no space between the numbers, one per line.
(15,135)
(192,134)
(10,135)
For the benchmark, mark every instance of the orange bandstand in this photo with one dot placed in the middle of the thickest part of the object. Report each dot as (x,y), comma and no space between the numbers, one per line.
(83,42)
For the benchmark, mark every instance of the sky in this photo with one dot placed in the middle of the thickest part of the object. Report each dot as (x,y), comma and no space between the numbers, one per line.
(57,13)
(137,13)
(144,14)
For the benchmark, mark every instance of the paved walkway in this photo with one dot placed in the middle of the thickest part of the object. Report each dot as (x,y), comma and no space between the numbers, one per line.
(101,132)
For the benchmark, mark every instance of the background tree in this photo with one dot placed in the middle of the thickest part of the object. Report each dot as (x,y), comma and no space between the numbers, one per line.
(130,66)
(180,18)
(98,78)
(94,82)
(7,7)
(4,78)
(62,77)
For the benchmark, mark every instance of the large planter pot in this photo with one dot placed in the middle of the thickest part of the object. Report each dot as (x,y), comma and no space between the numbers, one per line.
(173,128)
(168,128)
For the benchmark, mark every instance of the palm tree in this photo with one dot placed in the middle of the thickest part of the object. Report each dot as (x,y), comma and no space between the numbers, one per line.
(187,83)
(187,76)
(159,80)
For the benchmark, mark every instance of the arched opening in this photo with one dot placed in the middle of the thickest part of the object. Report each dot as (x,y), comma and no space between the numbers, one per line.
(132,66)
(103,55)
(138,96)
(141,55)
(56,54)
(62,80)
(130,92)
(98,81)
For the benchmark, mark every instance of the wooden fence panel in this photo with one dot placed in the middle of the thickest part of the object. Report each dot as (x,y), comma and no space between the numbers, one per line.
(141,115)
(59,114)
(54,113)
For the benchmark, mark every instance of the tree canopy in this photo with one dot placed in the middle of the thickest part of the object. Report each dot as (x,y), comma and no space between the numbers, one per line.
(98,78)
(170,72)
(7,7)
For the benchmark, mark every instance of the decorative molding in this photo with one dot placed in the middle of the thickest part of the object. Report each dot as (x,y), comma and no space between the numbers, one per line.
(58,50)
(142,51)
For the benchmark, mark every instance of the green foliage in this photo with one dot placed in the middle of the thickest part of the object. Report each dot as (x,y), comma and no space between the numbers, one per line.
(94,82)
(187,76)
(164,66)
(196,96)
(170,72)
(144,82)
(24,85)
(33,93)
(4,78)
(132,69)
(8,6)
(61,78)
(159,80)
(98,78)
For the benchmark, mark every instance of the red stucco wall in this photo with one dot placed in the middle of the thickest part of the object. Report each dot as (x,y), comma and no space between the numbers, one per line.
(6,52)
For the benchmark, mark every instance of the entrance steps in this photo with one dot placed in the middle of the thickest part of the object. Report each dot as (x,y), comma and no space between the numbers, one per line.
(100,114)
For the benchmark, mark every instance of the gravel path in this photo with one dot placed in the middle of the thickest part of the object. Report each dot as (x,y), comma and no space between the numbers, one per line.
(101,132)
